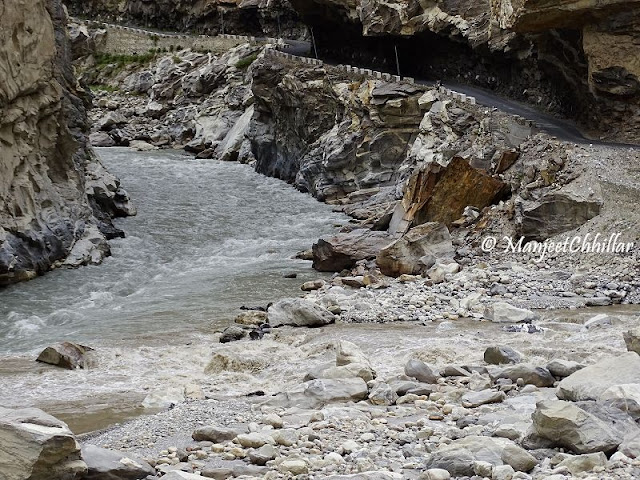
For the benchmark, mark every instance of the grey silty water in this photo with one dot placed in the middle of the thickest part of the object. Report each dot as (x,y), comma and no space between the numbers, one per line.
(209,237)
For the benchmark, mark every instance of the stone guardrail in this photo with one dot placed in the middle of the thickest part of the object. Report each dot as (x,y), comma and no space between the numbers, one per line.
(460,97)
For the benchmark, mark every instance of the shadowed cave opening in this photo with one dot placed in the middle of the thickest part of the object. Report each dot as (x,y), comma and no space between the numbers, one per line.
(539,80)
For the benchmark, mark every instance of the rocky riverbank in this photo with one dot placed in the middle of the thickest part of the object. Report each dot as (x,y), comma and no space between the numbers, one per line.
(396,401)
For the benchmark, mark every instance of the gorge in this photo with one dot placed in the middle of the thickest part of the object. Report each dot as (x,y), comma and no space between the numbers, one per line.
(317,281)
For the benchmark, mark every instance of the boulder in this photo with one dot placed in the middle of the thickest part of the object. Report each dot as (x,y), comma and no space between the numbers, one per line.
(106,464)
(323,391)
(373,475)
(254,440)
(111,120)
(214,433)
(101,139)
(563,368)
(632,339)
(475,399)
(459,456)
(178,475)
(348,353)
(142,146)
(263,454)
(625,397)
(416,251)
(345,249)
(538,376)
(435,474)
(421,371)
(382,394)
(155,109)
(577,464)
(326,391)
(502,312)
(582,428)
(66,355)
(555,213)
(253,318)
(299,312)
(352,370)
(312,285)
(591,382)
(500,355)
(294,467)
(139,82)
(438,193)
(233,333)
(37,446)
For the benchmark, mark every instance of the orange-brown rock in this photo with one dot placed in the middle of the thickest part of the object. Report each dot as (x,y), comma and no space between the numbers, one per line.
(440,194)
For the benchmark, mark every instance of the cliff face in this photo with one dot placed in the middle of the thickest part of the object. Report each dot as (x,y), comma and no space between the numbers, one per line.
(255,17)
(577,58)
(56,200)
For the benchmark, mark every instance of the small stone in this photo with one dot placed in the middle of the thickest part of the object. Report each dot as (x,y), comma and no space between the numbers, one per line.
(503,472)
(274,420)
(435,474)
(577,464)
(254,440)
(563,368)
(295,467)
(475,399)
(263,454)
(214,434)
(350,446)
(286,437)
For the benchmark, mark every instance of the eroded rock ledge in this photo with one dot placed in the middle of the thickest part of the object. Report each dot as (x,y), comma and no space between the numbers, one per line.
(56,199)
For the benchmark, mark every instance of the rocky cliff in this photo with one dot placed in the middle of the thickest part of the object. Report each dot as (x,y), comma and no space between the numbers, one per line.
(249,17)
(56,199)
(576,58)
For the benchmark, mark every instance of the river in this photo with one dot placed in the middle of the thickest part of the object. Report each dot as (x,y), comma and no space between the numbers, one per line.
(209,237)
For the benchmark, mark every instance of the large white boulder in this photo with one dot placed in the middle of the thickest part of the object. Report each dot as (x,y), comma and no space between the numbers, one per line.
(37,446)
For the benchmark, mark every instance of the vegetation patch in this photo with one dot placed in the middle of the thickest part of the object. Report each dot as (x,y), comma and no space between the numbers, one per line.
(120,61)
(244,63)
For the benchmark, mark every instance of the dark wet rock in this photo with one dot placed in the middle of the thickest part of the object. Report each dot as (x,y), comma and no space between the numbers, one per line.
(233,333)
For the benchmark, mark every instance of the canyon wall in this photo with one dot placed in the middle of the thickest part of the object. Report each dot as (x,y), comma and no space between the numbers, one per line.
(247,17)
(56,199)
